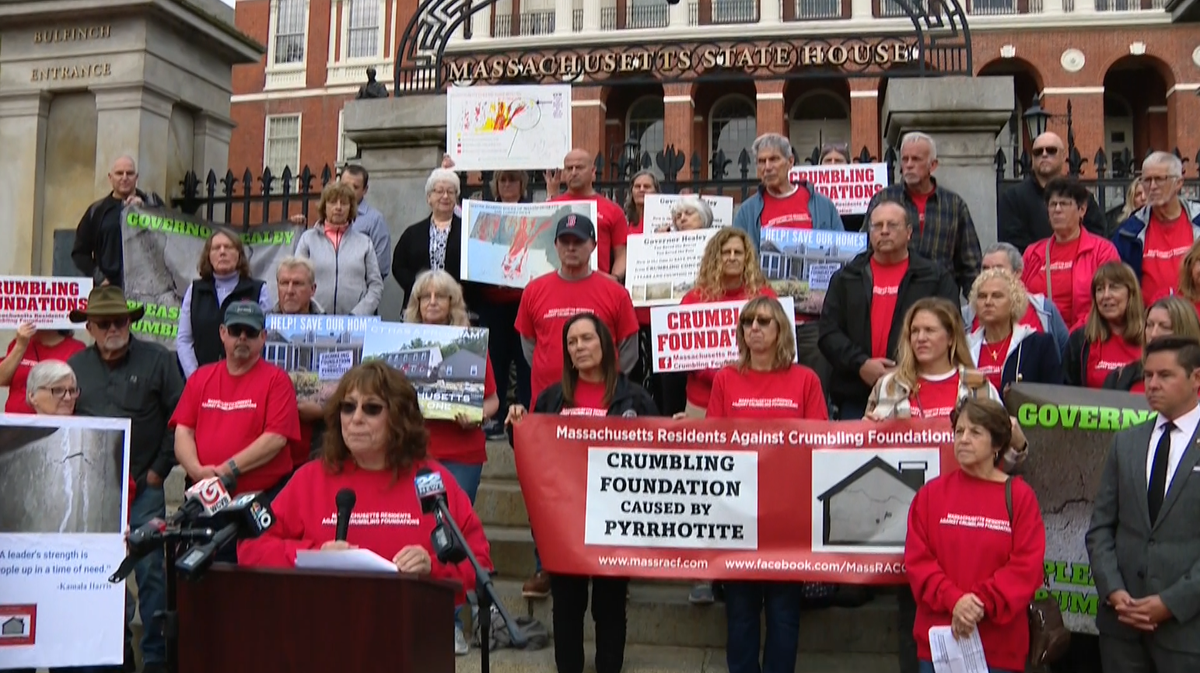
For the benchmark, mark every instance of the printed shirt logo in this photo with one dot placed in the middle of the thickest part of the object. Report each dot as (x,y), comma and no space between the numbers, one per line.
(584,411)
(975,521)
(764,403)
(222,405)
(1110,366)
(556,313)
(1062,266)
(884,290)
(375,519)
(1172,254)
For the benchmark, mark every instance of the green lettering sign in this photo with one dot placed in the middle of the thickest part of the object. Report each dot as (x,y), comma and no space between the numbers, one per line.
(1073,416)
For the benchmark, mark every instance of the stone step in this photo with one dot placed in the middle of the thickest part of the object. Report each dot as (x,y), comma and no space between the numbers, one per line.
(660,659)
(659,614)
(512,551)
(500,503)
(501,464)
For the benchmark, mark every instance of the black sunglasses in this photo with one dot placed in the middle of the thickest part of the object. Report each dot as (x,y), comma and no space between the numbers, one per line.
(368,408)
(104,324)
(1048,151)
(237,331)
(762,321)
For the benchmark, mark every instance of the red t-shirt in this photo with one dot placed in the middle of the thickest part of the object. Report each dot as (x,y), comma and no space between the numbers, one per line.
(960,541)
(34,353)
(1107,356)
(589,400)
(699,382)
(450,443)
(789,212)
(934,397)
(886,279)
(302,449)
(1167,243)
(229,412)
(611,229)
(1031,319)
(386,518)
(920,201)
(1062,278)
(794,392)
(549,301)
(992,358)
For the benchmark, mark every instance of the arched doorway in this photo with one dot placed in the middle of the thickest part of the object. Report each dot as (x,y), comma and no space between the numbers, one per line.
(727,116)
(818,114)
(1135,106)
(634,129)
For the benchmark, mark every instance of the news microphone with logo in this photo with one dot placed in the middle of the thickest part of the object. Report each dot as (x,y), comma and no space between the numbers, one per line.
(148,538)
(205,498)
(248,516)
(448,542)
(344,500)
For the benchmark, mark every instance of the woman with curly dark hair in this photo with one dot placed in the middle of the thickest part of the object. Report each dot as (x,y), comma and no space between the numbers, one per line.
(375,445)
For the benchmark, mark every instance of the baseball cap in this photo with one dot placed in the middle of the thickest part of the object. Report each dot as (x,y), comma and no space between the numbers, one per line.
(246,313)
(579,226)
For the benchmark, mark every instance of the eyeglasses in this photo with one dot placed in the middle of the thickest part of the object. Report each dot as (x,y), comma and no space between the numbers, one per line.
(59,392)
(762,320)
(887,226)
(105,324)
(371,409)
(1060,205)
(238,331)
(433,296)
(443,192)
(1158,179)
(1045,151)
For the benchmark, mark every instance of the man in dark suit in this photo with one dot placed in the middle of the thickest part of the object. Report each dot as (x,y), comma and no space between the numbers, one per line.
(1142,543)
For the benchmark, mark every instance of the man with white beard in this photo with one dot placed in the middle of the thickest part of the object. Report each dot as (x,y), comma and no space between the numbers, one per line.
(122,377)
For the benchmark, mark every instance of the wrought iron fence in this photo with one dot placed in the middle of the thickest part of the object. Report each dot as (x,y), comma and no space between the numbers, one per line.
(246,201)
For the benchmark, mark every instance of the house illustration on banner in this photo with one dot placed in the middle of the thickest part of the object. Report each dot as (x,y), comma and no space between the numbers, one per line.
(870,506)
(18,625)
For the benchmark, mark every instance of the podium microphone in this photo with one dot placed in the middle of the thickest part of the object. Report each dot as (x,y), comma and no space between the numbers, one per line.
(344,500)
(246,517)
(205,498)
(432,494)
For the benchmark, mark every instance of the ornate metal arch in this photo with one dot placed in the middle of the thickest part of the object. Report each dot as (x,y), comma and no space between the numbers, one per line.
(939,44)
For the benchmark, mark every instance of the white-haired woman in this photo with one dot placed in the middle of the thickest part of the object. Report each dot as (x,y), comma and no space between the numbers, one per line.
(434,242)
(459,445)
(51,388)
(1005,349)
(690,213)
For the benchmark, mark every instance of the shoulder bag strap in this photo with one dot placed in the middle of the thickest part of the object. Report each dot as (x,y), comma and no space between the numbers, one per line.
(1049,292)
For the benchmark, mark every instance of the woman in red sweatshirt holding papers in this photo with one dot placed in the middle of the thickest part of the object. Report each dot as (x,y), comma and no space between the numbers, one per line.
(973,561)
(375,445)
(765,383)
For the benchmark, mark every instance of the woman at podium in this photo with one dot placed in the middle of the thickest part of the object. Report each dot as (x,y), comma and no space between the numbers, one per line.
(375,446)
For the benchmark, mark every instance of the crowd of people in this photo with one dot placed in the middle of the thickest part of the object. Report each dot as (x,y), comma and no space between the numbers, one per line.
(924,324)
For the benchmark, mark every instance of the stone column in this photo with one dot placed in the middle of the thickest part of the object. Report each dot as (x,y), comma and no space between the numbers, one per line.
(963,115)
(677,15)
(401,141)
(134,119)
(564,19)
(768,12)
(23,125)
(210,151)
(864,116)
(769,101)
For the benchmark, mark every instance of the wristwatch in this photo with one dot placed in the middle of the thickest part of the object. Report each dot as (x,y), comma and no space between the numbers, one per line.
(233,469)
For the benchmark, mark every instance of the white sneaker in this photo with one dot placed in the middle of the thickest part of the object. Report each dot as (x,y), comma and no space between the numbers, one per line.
(460,642)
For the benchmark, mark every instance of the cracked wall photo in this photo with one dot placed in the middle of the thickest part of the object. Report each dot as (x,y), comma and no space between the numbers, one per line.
(60,480)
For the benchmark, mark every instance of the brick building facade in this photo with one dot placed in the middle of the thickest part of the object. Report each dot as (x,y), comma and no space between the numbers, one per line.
(1132,77)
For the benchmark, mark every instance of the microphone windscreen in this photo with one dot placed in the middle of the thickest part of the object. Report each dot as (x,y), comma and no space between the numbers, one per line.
(345,499)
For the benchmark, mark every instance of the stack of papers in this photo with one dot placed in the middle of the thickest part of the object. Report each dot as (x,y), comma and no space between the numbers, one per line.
(359,560)
(956,655)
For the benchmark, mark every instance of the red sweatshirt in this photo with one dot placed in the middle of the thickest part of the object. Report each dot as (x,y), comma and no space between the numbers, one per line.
(387,517)
(960,542)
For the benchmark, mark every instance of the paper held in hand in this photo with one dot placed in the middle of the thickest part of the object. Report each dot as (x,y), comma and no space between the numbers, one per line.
(956,655)
(358,560)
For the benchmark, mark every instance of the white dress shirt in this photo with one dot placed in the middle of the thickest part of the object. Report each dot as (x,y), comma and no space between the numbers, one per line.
(1181,437)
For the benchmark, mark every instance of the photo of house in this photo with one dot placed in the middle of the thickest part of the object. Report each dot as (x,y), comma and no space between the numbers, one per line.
(447,365)
(315,350)
(800,262)
(861,497)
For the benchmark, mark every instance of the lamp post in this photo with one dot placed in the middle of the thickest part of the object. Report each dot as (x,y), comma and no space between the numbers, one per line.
(1036,118)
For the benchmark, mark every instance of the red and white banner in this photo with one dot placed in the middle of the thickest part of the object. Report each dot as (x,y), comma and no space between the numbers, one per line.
(726,499)
(693,337)
(849,186)
(44,301)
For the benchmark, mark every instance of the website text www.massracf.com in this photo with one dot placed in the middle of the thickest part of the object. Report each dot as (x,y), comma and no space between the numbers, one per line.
(839,567)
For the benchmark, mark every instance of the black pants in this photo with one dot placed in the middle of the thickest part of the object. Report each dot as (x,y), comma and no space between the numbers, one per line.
(570,594)
(669,390)
(505,353)
(906,621)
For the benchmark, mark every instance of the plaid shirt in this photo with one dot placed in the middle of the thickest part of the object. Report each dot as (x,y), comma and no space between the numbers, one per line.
(948,235)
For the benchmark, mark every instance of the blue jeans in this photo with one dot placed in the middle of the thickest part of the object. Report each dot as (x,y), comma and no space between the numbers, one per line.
(744,605)
(927,667)
(468,477)
(151,578)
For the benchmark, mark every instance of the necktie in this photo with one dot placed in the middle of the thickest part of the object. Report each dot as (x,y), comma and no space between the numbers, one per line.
(1157,490)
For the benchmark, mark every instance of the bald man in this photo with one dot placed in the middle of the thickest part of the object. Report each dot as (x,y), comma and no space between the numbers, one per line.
(98,251)
(579,173)
(1022,217)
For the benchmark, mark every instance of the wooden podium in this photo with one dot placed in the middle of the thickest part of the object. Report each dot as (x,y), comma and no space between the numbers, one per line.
(258,620)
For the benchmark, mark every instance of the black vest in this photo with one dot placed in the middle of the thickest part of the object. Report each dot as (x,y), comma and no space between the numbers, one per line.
(207,316)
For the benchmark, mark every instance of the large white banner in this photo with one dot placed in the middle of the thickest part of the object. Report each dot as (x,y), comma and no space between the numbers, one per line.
(661,268)
(656,213)
(698,336)
(510,244)
(64,498)
(511,127)
(43,301)
(849,186)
